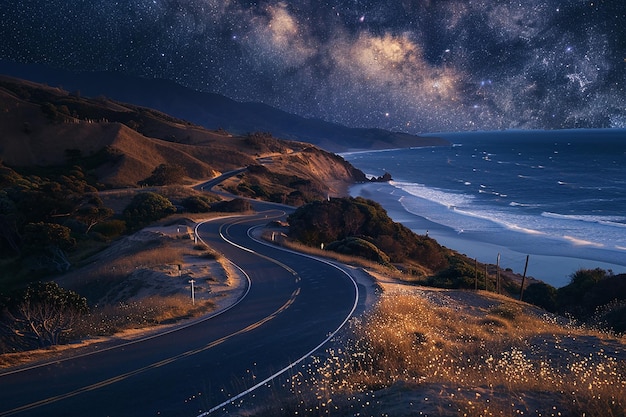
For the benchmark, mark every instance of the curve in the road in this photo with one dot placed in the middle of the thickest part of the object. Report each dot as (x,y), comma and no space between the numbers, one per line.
(151,336)
(308,354)
(78,385)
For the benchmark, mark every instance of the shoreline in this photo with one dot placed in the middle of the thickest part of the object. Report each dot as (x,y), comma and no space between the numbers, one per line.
(550,260)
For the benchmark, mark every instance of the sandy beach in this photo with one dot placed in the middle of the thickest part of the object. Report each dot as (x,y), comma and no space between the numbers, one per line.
(550,260)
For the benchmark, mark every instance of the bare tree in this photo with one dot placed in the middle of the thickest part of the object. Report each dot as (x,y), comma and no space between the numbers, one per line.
(93,212)
(44,313)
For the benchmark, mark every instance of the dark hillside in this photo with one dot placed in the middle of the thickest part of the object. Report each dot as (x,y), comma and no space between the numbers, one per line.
(214,111)
(356,226)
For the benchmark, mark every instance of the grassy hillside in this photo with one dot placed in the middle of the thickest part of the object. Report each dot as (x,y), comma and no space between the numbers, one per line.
(450,353)
(71,166)
(122,143)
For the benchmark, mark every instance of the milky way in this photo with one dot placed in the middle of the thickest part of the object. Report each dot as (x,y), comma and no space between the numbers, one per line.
(409,65)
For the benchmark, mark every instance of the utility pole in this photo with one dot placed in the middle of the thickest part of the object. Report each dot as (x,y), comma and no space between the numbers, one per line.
(475,274)
(498,275)
(193,293)
(486,278)
(521,294)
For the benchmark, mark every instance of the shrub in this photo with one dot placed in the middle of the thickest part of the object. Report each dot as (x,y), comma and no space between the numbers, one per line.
(589,291)
(340,218)
(146,208)
(232,206)
(110,228)
(459,274)
(359,247)
(611,315)
(44,313)
(165,174)
(41,236)
(198,204)
(542,295)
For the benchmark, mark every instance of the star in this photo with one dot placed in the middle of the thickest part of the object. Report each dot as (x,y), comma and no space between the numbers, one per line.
(346,61)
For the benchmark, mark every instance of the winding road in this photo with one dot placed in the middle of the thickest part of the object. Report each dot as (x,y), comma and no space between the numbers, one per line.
(293,304)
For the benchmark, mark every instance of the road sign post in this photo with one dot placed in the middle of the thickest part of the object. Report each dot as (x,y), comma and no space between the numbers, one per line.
(193,294)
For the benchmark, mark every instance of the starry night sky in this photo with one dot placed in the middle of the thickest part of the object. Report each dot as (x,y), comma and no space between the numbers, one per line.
(408,65)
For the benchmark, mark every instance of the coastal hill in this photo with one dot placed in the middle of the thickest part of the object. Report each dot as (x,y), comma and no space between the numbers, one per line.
(214,111)
(121,144)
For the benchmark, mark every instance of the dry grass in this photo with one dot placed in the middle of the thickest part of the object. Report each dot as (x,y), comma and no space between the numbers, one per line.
(8,360)
(229,271)
(150,257)
(124,268)
(113,269)
(141,277)
(345,259)
(145,312)
(459,353)
(127,320)
(137,284)
(428,352)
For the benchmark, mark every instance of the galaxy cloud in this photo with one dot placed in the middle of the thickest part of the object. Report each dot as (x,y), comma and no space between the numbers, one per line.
(406,65)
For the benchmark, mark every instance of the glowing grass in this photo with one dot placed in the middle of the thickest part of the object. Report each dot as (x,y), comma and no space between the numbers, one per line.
(423,352)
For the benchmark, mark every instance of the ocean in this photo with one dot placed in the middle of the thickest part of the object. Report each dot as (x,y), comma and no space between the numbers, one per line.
(557,196)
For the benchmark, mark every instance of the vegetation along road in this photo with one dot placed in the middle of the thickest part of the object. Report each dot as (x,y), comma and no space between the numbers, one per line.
(294,303)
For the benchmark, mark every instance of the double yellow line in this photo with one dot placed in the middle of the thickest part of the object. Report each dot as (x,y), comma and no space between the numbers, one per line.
(172,359)
(155,365)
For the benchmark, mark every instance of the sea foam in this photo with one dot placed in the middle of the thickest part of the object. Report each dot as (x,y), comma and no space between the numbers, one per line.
(513,187)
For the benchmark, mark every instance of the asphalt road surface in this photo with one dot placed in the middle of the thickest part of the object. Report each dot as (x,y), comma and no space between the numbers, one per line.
(293,304)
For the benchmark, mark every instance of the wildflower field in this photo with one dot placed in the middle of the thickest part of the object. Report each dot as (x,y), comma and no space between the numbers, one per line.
(460,353)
